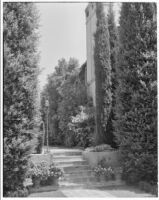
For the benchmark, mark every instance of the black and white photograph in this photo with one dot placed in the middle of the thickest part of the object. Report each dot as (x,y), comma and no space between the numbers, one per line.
(79,99)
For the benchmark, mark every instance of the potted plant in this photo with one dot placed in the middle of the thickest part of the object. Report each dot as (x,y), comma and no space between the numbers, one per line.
(38,172)
(54,174)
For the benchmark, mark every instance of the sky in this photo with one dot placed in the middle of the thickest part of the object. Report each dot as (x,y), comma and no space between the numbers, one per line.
(62,35)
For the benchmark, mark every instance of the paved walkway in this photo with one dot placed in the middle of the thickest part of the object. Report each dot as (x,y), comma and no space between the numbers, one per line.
(120,191)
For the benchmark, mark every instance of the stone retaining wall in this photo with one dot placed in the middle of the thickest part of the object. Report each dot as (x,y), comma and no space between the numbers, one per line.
(93,158)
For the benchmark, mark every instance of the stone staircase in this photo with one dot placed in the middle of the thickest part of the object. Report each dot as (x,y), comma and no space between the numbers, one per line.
(77,172)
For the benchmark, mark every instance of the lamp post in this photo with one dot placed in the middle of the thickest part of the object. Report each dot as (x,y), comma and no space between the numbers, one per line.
(43,133)
(47,124)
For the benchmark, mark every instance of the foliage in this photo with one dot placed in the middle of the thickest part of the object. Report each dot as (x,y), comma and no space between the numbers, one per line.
(39,170)
(136,96)
(18,193)
(148,187)
(15,162)
(66,93)
(107,172)
(113,38)
(103,74)
(73,94)
(20,23)
(43,171)
(55,171)
(82,127)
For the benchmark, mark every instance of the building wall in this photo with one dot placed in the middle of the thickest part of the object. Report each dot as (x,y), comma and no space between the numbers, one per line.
(90,30)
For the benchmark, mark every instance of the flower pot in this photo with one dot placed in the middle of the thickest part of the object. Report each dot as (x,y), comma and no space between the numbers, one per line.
(36,182)
(53,181)
(44,182)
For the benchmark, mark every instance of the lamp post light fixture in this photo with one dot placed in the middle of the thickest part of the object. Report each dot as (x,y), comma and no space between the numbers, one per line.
(47,124)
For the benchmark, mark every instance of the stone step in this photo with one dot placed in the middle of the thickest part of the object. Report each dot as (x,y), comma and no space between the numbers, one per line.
(70,168)
(67,153)
(77,173)
(78,179)
(65,157)
(73,162)
(68,185)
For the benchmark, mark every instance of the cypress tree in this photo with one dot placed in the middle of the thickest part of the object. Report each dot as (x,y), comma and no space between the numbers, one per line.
(136,96)
(103,74)
(113,37)
(20,23)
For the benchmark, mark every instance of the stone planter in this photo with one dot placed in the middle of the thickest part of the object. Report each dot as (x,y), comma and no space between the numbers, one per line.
(93,158)
(97,178)
(36,182)
(53,181)
(44,182)
(102,178)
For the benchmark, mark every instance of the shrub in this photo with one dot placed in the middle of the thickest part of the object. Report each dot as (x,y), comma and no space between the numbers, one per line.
(15,161)
(147,187)
(18,193)
(38,170)
(82,127)
(20,23)
(136,95)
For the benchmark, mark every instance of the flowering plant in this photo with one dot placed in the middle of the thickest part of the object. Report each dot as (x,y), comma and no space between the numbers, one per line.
(106,172)
(55,172)
(39,170)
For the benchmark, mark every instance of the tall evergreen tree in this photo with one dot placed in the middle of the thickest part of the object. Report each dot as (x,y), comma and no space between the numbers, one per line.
(113,37)
(20,22)
(136,104)
(103,74)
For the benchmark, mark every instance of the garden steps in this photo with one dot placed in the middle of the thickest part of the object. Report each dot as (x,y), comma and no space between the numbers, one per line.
(77,172)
